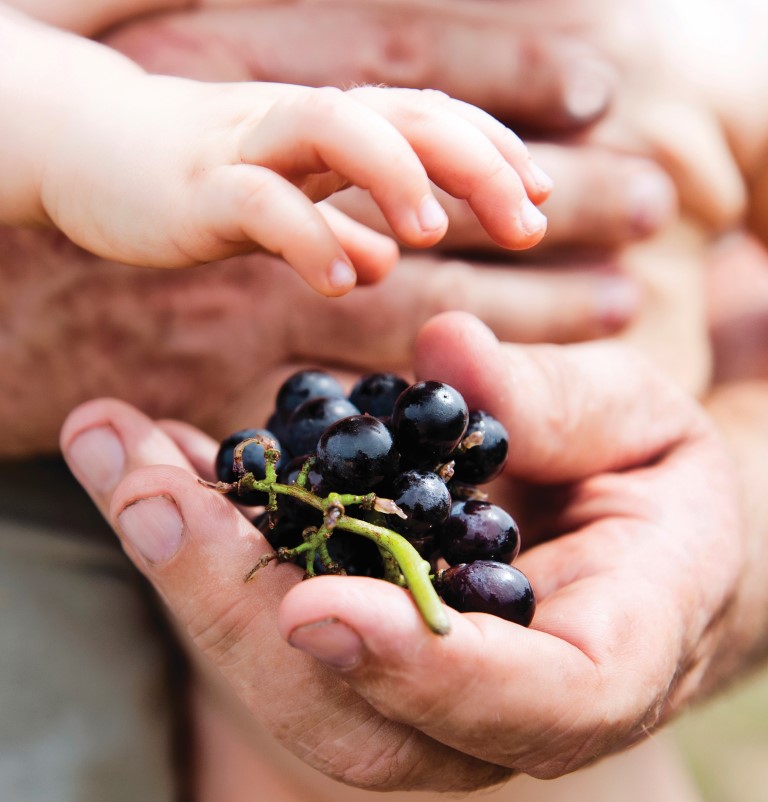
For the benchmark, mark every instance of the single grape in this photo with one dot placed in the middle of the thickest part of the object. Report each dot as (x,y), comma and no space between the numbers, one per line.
(357,555)
(253,462)
(356,454)
(429,421)
(481,463)
(426,545)
(285,534)
(311,418)
(478,530)
(302,385)
(424,497)
(489,587)
(461,492)
(376,393)
(279,427)
(292,509)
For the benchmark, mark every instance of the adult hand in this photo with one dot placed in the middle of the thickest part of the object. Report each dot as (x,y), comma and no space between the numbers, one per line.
(637,560)
(546,78)
(685,78)
(212,346)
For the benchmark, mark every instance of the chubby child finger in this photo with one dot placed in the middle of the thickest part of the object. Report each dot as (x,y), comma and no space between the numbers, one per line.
(373,254)
(307,135)
(471,156)
(251,204)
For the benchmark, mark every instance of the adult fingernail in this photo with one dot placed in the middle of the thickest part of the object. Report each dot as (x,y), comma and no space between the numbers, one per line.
(97,457)
(532,220)
(651,201)
(432,216)
(153,526)
(330,641)
(618,301)
(587,90)
(341,275)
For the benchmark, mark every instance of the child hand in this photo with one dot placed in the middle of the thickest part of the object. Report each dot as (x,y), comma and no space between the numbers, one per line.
(172,173)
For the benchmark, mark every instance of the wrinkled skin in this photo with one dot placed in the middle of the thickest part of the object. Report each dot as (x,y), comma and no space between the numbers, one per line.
(627,464)
(211,345)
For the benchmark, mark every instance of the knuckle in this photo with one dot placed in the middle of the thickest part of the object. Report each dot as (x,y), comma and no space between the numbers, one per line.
(422,104)
(316,103)
(497,168)
(414,107)
(567,398)
(434,96)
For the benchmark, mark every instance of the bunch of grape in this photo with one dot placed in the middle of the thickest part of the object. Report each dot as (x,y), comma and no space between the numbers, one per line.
(383,483)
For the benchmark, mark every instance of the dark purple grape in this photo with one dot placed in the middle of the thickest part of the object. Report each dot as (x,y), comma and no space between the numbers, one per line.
(482,462)
(285,534)
(292,509)
(489,587)
(429,420)
(424,498)
(303,385)
(426,545)
(253,462)
(376,393)
(356,454)
(280,428)
(314,482)
(311,418)
(357,555)
(478,530)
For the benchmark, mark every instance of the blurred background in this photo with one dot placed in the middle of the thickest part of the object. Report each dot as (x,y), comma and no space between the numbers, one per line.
(725,743)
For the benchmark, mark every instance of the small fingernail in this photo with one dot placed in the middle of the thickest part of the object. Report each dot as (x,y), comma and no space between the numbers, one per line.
(153,526)
(618,302)
(542,180)
(651,201)
(532,220)
(341,275)
(98,458)
(587,90)
(330,641)
(432,216)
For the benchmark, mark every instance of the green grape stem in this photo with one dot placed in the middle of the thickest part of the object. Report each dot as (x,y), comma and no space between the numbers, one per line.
(415,570)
